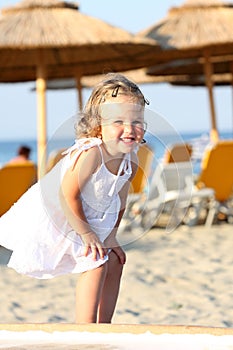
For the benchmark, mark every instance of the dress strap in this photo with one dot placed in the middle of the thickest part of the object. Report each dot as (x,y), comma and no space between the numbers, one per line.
(81,145)
(124,166)
(101,153)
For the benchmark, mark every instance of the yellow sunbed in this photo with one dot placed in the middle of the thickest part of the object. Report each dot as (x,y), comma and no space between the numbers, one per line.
(217,170)
(14,181)
(179,152)
(145,159)
(217,173)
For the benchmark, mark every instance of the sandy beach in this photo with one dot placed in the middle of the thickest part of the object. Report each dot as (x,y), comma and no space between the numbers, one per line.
(182,278)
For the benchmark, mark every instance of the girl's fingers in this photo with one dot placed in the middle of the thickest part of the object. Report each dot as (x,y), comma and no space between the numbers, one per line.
(101,251)
(86,250)
(95,249)
(94,252)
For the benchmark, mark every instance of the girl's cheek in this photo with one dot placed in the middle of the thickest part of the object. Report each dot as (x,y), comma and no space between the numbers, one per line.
(140,135)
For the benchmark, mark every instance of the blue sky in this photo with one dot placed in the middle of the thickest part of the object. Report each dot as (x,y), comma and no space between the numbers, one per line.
(187,109)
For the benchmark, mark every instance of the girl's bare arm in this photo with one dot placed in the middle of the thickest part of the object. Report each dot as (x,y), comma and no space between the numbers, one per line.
(73,182)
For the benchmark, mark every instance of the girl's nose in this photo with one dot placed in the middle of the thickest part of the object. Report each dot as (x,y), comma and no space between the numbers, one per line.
(128,127)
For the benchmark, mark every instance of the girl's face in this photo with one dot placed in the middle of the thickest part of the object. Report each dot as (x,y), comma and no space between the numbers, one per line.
(122,124)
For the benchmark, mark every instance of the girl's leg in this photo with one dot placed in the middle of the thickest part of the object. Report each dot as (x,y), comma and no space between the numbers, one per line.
(88,294)
(110,289)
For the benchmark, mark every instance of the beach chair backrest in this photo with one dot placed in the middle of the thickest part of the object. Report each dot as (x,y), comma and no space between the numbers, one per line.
(177,175)
(14,181)
(217,169)
(180,152)
(145,159)
(171,177)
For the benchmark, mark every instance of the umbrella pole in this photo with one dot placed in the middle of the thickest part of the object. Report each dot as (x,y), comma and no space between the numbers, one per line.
(41,120)
(231,67)
(208,71)
(79,89)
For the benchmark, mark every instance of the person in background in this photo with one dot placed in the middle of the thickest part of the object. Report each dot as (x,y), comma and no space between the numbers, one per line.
(23,155)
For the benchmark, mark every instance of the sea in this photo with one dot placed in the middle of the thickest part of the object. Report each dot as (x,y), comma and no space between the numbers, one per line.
(158,144)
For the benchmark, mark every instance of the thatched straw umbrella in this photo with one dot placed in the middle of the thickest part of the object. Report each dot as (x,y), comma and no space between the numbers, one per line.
(198,29)
(139,76)
(198,80)
(48,39)
(193,66)
(190,72)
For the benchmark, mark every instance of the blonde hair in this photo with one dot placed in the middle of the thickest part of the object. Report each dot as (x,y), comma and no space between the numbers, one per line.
(111,86)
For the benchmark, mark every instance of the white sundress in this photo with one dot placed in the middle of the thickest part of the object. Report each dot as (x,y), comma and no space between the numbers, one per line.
(35,228)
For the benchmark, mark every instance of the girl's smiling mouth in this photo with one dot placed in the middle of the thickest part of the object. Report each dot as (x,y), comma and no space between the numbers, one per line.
(128,139)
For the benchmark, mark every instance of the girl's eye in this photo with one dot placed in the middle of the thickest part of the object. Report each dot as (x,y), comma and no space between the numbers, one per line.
(137,124)
(118,122)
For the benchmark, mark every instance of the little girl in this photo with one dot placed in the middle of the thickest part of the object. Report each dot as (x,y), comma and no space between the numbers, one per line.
(67,222)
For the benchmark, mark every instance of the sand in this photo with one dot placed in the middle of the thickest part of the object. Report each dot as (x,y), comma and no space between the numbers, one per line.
(182,278)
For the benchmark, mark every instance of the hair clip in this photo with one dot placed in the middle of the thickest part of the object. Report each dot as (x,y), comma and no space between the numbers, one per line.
(143,141)
(147,102)
(115,91)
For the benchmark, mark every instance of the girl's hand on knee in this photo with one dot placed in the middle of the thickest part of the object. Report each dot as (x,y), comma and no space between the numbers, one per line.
(93,244)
